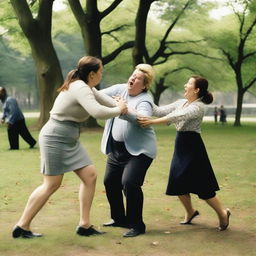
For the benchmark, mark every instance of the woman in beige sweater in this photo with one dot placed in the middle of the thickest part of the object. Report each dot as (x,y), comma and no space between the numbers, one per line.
(60,148)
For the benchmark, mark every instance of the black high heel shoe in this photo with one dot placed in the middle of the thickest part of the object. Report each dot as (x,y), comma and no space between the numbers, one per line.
(190,219)
(224,227)
(20,232)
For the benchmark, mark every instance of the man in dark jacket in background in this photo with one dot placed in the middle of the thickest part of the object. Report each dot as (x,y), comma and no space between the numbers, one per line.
(15,121)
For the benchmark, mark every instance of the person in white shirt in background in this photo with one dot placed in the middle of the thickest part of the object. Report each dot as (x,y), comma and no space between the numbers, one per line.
(60,148)
(191,170)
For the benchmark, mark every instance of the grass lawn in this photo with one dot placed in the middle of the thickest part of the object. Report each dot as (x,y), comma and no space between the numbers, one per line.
(233,155)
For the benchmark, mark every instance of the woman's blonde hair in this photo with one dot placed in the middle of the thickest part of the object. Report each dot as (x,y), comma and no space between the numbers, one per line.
(149,74)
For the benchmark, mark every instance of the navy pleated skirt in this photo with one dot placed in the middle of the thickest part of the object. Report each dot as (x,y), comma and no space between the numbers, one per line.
(191,170)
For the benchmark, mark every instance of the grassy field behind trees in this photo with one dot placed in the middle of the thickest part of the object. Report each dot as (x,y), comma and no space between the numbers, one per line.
(232,151)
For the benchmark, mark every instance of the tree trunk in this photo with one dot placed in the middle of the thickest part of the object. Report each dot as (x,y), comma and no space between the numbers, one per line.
(92,37)
(139,49)
(48,70)
(89,20)
(93,44)
(49,75)
(159,89)
(240,96)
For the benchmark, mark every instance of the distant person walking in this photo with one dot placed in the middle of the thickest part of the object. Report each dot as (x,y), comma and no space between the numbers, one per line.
(191,170)
(223,115)
(15,121)
(215,114)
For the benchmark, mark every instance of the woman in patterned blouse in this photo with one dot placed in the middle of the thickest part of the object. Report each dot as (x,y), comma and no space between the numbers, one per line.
(191,170)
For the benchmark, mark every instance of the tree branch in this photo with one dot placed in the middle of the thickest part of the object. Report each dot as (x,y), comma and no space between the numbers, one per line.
(249,30)
(78,11)
(240,18)
(140,51)
(179,69)
(176,20)
(162,46)
(249,55)
(167,55)
(252,93)
(115,53)
(22,12)
(114,30)
(114,37)
(45,14)
(160,84)
(229,57)
(184,42)
(110,8)
(176,70)
(250,84)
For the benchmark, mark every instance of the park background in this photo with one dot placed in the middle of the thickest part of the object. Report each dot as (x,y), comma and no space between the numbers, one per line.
(42,40)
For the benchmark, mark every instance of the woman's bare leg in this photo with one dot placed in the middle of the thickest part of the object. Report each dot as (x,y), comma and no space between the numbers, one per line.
(38,198)
(88,176)
(187,203)
(221,212)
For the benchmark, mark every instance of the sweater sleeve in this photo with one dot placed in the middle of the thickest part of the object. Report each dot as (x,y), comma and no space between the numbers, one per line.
(191,112)
(143,109)
(87,100)
(103,99)
(114,90)
(166,109)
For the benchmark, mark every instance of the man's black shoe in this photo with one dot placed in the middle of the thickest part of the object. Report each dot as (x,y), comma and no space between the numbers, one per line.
(88,231)
(113,223)
(133,232)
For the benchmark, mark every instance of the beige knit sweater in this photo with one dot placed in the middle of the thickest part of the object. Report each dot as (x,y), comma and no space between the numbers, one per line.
(78,103)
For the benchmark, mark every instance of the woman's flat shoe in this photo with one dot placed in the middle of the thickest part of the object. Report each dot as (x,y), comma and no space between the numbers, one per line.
(88,231)
(20,232)
(224,227)
(190,219)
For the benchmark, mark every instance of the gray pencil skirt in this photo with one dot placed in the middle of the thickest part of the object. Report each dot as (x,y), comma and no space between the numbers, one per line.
(60,149)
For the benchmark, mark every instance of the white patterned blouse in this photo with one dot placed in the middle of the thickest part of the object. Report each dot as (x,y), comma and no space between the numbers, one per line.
(185,116)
